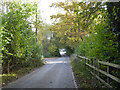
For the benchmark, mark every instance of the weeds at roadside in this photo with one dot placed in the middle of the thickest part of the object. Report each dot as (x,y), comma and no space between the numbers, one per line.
(83,78)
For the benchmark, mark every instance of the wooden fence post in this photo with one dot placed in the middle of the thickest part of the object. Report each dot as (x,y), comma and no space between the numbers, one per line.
(108,71)
(92,64)
(95,66)
(98,65)
(88,63)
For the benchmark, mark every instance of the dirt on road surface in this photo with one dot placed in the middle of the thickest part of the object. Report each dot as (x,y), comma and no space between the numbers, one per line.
(56,73)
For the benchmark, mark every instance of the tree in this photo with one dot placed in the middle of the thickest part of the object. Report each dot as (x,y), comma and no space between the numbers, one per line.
(113,9)
(19,48)
(66,28)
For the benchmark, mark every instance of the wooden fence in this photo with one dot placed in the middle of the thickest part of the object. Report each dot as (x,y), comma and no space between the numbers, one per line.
(94,68)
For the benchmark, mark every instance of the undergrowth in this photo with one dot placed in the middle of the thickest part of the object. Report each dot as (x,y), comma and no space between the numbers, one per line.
(82,76)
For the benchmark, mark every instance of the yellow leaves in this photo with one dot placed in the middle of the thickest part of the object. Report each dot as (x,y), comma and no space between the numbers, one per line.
(69,38)
(59,15)
(65,33)
(62,40)
(9,75)
(67,27)
(53,16)
(52,48)
(61,3)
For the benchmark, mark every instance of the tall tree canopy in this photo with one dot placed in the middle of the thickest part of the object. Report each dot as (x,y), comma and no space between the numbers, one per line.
(19,47)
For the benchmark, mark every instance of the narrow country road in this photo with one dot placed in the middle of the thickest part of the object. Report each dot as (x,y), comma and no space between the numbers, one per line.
(57,73)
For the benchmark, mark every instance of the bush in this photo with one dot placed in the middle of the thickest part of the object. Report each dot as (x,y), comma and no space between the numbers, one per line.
(19,46)
(69,50)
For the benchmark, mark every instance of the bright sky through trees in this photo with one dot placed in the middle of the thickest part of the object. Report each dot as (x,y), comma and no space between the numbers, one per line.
(45,9)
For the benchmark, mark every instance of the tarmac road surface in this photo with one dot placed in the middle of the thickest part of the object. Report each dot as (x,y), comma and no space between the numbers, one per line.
(56,73)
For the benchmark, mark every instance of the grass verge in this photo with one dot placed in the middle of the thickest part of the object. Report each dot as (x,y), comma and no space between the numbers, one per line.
(82,76)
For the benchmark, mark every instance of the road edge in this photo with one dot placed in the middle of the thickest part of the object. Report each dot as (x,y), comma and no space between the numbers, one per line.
(74,79)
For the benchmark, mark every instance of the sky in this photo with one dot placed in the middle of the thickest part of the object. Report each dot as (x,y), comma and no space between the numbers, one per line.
(46,11)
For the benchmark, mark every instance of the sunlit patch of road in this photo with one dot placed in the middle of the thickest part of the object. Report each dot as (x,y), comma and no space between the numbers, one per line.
(55,61)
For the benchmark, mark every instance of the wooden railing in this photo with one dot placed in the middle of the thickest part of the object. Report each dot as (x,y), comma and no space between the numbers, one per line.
(95,70)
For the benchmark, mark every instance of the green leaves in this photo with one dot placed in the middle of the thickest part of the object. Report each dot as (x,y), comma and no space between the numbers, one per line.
(101,41)
(18,40)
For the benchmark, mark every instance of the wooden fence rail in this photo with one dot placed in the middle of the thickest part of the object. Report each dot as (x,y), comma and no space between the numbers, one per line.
(96,67)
